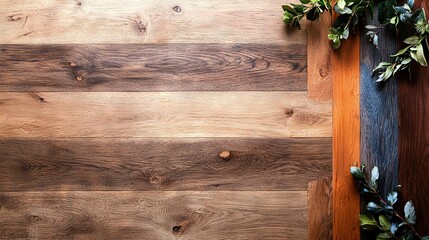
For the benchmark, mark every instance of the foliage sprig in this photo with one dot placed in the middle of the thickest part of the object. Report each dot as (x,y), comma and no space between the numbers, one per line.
(413,24)
(381,218)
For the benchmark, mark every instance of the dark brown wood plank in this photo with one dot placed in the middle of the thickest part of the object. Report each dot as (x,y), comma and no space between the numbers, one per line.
(414,144)
(153,215)
(163,164)
(153,67)
(320,209)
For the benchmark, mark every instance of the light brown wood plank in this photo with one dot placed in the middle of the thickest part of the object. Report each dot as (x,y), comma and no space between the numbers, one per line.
(320,209)
(140,21)
(319,50)
(153,67)
(153,215)
(346,139)
(163,164)
(169,114)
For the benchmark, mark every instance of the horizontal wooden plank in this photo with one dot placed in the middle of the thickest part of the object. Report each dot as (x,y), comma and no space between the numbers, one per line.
(163,114)
(140,21)
(163,164)
(153,67)
(153,215)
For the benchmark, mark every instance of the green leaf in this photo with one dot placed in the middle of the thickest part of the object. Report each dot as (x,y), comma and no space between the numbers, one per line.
(357,173)
(410,212)
(341,4)
(345,10)
(371,27)
(305,1)
(367,223)
(417,53)
(313,14)
(393,196)
(384,235)
(400,52)
(412,40)
(384,223)
(386,11)
(373,207)
(374,176)
(425,238)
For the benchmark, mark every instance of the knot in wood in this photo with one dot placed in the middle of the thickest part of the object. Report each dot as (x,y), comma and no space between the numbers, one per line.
(177,9)
(225,155)
(289,112)
(323,72)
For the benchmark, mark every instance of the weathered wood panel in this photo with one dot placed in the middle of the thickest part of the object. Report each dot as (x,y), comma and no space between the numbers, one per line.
(153,215)
(413,98)
(379,111)
(346,139)
(169,114)
(320,209)
(414,144)
(139,21)
(153,67)
(162,164)
(319,51)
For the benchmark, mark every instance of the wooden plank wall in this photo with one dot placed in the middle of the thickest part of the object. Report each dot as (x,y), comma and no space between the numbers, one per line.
(156,120)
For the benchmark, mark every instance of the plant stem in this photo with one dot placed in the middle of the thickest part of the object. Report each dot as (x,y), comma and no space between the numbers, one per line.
(396,213)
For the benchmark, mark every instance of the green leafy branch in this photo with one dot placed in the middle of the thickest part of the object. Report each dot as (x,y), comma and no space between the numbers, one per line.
(381,218)
(413,23)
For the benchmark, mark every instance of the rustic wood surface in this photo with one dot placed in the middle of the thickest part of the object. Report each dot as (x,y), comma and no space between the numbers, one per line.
(156,120)
(171,114)
(346,139)
(319,51)
(320,209)
(414,144)
(139,21)
(163,164)
(379,111)
(153,215)
(413,98)
(153,67)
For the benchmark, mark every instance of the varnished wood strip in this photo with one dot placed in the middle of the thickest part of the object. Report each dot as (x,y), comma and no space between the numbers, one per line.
(153,67)
(163,164)
(346,139)
(153,215)
(137,21)
(157,114)
(320,209)
(319,50)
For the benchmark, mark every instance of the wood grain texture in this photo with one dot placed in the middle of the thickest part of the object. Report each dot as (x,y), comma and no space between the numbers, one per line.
(346,139)
(413,98)
(140,21)
(153,215)
(169,114)
(320,209)
(153,67)
(162,164)
(414,144)
(379,111)
(319,51)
